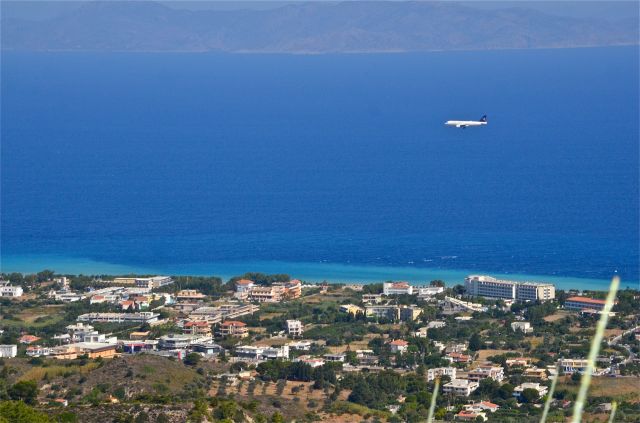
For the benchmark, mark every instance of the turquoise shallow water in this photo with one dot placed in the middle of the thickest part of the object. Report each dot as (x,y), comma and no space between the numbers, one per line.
(311,272)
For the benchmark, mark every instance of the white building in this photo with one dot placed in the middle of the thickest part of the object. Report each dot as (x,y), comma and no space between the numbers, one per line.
(488,287)
(460,387)
(275,353)
(436,324)
(244,285)
(67,296)
(433,374)
(142,317)
(295,328)
(541,389)
(8,351)
(7,290)
(249,352)
(496,373)
(397,288)
(335,357)
(153,282)
(311,361)
(38,351)
(572,365)
(179,341)
(453,305)
(371,298)
(524,327)
(300,345)
(429,291)
(399,346)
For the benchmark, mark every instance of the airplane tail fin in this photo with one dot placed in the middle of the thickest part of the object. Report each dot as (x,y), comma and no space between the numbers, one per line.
(483,118)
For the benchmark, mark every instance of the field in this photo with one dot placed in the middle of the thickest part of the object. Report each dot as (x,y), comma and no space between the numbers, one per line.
(290,398)
(36,317)
(560,314)
(620,388)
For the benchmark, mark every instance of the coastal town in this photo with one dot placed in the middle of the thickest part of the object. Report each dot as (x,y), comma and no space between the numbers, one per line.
(260,348)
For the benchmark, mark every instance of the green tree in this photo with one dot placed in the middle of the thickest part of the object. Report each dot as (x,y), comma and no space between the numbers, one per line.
(529,396)
(506,391)
(192,359)
(26,390)
(19,412)
(277,418)
(475,342)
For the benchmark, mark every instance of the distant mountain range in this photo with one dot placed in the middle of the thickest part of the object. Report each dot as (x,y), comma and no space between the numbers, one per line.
(311,27)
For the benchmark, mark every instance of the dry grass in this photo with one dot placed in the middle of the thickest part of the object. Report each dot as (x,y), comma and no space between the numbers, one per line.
(535,341)
(618,388)
(560,314)
(483,354)
(265,316)
(37,373)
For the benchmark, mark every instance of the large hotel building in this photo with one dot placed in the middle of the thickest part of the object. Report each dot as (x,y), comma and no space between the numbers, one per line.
(486,286)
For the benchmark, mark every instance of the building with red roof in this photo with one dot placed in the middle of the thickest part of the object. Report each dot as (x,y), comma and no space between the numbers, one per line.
(28,339)
(399,346)
(581,303)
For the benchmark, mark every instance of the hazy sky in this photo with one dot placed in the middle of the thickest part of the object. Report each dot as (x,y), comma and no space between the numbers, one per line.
(35,10)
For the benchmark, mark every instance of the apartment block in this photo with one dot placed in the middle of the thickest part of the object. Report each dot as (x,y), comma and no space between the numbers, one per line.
(233,328)
(153,282)
(266,294)
(488,287)
(390,312)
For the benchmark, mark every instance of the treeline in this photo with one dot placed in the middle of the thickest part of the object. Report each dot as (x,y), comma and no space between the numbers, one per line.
(261,278)
(208,285)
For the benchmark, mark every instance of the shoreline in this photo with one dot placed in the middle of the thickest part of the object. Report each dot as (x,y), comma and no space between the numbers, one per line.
(310,272)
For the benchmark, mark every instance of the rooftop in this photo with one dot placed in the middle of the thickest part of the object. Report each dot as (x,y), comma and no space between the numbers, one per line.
(586,300)
(233,323)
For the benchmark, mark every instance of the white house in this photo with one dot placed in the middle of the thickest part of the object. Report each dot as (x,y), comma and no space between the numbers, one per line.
(460,387)
(7,290)
(436,324)
(8,351)
(496,373)
(397,288)
(525,327)
(482,406)
(432,374)
(429,291)
(541,389)
(295,328)
(275,353)
(300,345)
(399,346)
(311,361)
(244,285)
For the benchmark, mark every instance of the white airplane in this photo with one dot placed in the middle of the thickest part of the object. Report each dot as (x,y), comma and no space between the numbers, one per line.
(465,123)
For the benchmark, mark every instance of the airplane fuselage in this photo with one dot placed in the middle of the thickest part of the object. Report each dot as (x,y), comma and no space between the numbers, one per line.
(465,123)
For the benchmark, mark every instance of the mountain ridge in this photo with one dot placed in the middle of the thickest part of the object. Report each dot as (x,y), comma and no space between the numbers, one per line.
(345,27)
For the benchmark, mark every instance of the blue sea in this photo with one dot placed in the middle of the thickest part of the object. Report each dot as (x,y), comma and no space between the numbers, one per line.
(333,167)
